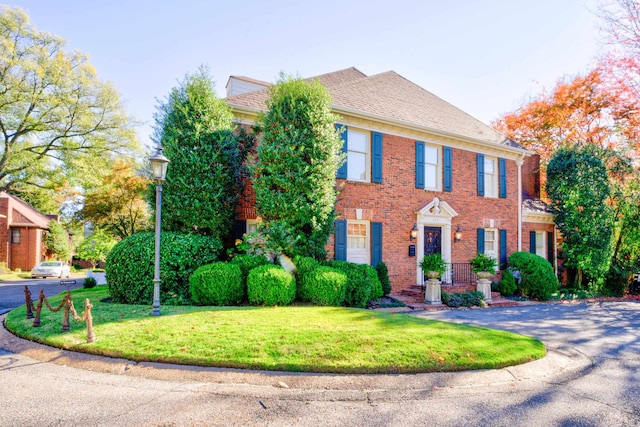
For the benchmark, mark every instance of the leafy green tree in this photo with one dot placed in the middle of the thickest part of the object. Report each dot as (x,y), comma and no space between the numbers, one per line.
(578,186)
(59,124)
(294,177)
(96,247)
(203,182)
(57,241)
(118,205)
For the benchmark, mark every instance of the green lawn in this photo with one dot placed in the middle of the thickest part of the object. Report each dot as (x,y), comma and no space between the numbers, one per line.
(296,338)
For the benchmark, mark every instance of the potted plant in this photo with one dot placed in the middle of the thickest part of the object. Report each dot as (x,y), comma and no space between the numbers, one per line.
(433,266)
(483,265)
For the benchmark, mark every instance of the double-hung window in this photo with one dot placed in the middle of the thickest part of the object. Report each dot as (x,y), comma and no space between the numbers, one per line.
(492,176)
(15,235)
(490,181)
(358,156)
(358,250)
(433,167)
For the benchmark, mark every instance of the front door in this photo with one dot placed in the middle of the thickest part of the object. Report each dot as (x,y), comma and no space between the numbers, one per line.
(432,240)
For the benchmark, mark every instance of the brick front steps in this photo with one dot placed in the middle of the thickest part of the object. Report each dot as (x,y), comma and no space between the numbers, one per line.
(413,297)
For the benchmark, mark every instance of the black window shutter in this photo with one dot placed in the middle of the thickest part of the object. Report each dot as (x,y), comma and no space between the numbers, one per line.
(550,251)
(532,242)
(480,244)
(341,240)
(503,249)
(502,172)
(376,158)
(480,170)
(448,185)
(419,164)
(376,243)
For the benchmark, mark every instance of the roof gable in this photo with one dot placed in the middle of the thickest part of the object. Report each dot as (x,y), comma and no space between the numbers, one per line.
(390,96)
(22,214)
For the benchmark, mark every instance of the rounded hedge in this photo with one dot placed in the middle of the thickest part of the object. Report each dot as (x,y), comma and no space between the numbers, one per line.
(270,285)
(304,267)
(537,279)
(326,286)
(248,262)
(219,283)
(130,266)
(363,284)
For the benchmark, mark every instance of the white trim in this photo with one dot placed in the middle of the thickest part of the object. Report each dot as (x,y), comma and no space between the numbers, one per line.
(519,163)
(436,213)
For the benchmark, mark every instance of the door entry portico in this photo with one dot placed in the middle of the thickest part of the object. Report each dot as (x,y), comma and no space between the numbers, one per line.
(432,240)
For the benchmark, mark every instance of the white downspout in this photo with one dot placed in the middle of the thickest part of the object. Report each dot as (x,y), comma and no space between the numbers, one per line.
(519,162)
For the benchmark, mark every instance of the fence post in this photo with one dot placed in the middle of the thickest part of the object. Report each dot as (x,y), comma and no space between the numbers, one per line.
(36,321)
(91,337)
(67,306)
(28,302)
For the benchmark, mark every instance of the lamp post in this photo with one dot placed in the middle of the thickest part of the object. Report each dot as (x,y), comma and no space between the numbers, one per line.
(159,171)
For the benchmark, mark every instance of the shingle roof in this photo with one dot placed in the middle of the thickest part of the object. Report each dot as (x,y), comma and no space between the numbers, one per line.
(26,215)
(535,205)
(390,96)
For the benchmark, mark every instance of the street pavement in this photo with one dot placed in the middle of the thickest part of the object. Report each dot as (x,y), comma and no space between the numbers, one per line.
(591,377)
(12,291)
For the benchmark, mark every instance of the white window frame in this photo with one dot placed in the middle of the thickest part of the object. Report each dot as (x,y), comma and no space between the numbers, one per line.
(491,179)
(252,226)
(541,246)
(360,255)
(367,155)
(438,168)
(495,253)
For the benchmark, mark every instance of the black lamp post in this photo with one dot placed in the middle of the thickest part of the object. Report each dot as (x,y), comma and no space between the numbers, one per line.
(159,172)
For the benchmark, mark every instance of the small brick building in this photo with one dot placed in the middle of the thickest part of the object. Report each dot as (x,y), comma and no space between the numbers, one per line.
(416,162)
(22,233)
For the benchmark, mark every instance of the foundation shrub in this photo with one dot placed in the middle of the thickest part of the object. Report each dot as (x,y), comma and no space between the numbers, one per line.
(507,286)
(537,279)
(383,276)
(363,284)
(270,285)
(304,267)
(326,286)
(219,283)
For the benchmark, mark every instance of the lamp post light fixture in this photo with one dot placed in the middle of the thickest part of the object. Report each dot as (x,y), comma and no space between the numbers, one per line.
(158,171)
(458,235)
(413,234)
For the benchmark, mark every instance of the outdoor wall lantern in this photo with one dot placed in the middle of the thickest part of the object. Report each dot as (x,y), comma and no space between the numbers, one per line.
(458,235)
(158,171)
(413,234)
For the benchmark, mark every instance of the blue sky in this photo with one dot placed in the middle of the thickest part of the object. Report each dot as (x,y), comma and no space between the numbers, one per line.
(484,56)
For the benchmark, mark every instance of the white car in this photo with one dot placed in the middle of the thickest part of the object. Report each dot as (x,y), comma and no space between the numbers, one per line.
(51,269)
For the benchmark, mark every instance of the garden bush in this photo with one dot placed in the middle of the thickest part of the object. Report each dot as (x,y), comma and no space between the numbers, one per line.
(304,266)
(383,276)
(219,283)
(270,285)
(463,299)
(89,282)
(248,262)
(326,286)
(363,284)
(537,279)
(507,286)
(130,266)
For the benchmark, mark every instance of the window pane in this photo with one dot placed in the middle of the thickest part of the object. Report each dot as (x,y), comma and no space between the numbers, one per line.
(430,155)
(357,141)
(488,165)
(430,176)
(357,166)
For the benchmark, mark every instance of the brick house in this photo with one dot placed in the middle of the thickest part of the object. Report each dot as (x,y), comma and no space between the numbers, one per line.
(22,233)
(421,176)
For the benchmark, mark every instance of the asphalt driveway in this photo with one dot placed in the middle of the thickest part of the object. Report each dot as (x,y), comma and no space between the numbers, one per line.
(591,377)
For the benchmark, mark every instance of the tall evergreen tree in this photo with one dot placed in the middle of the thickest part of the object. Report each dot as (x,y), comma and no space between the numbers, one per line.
(294,178)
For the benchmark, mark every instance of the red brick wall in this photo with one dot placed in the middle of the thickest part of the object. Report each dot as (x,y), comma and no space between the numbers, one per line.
(26,254)
(395,201)
(4,231)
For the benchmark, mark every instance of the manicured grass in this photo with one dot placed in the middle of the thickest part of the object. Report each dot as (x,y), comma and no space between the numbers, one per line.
(296,338)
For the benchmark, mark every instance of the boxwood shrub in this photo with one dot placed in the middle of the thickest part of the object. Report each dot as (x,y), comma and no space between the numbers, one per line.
(537,279)
(248,262)
(304,266)
(219,283)
(270,285)
(326,286)
(363,284)
(463,299)
(130,266)
(507,286)
(383,276)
